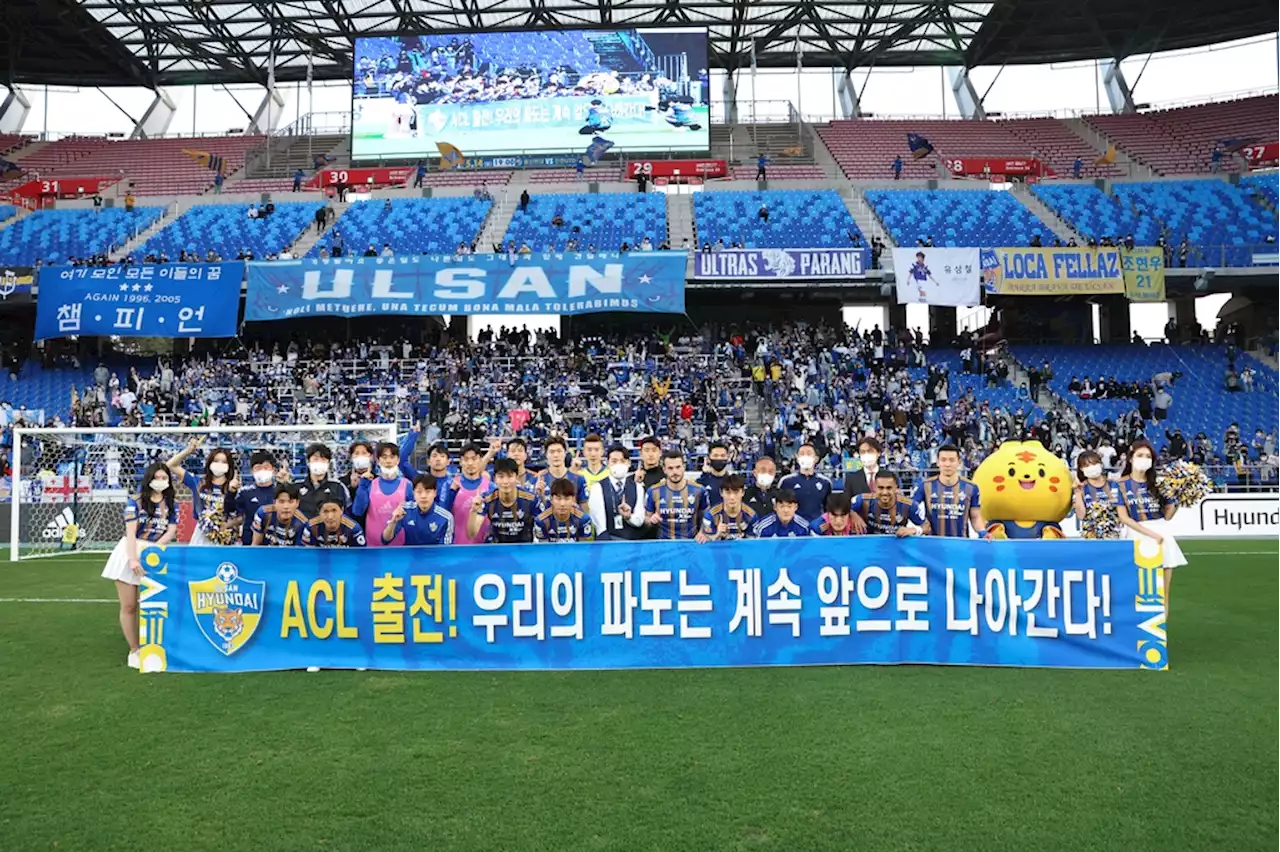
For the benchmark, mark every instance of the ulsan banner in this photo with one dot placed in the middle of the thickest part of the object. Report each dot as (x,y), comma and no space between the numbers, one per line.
(789,264)
(155,300)
(559,283)
(1143,268)
(1052,271)
(937,276)
(629,605)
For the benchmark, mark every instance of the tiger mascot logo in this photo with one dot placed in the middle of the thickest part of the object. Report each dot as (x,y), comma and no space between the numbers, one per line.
(228,623)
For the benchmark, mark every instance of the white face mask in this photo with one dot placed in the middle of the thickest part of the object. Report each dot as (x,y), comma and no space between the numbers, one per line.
(619,471)
(218,468)
(361,462)
(388,471)
(264,477)
(318,468)
(1092,471)
(158,485)
(764,480)
(806,462)
(869,459)
(1141,464)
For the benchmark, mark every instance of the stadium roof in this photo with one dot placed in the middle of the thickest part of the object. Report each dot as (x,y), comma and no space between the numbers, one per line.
(176,42)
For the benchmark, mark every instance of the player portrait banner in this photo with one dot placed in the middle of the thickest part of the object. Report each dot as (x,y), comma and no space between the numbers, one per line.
(155,300)
(1052,271)
(781,264)
(563,283)
(1143,268)
(15,286)
(627,605)
(937,276)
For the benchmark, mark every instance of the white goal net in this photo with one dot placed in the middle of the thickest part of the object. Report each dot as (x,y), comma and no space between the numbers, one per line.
(69,486)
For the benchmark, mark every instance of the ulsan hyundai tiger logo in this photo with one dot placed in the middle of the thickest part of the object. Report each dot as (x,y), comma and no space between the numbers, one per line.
(227,607)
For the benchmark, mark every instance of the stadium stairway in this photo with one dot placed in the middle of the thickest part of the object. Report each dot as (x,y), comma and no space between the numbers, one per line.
(680,220)
(499,218)
(172,211)
(862,213)
(1056,224)
(307,240)
(1100,143)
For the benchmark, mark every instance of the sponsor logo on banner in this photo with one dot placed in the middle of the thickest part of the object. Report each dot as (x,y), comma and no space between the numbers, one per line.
(937,276)
(555,283)
(228,608)
(1052,271)
(791,264)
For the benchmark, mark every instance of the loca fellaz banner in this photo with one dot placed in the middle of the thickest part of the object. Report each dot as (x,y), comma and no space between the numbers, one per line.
(561,283)
(1075,604)
(155,300)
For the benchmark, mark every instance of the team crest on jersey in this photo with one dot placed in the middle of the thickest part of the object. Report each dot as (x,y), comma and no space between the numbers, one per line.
(227,607)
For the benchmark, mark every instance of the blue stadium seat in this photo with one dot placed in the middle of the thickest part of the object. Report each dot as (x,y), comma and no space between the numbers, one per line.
(409,225)
(1223,223)
(603,220)
(797,219)
(1090,211)
(962,217)
(1265,185)
(227,229)
(7,211)
(56,235)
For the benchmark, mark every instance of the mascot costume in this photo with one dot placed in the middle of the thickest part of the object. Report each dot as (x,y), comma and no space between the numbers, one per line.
(1026,491)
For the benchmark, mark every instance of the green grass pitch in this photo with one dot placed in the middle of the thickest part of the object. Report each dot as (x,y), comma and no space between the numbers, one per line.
(95,757)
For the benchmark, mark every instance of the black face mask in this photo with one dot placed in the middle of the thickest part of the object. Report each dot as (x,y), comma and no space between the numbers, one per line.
(718,464)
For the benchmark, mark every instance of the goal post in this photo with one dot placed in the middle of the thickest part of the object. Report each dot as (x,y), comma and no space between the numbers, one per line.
(69,485)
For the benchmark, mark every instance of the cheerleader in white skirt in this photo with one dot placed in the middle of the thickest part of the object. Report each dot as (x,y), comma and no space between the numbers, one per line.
(1145,512)
(209,494)
(152,517)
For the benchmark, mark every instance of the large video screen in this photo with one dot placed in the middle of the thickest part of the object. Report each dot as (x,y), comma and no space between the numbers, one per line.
(544,92)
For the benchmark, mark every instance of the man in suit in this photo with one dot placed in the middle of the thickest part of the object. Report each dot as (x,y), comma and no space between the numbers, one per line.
(862,480)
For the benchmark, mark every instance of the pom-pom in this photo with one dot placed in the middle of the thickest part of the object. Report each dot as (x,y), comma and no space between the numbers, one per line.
(1183,483)
(1100,521)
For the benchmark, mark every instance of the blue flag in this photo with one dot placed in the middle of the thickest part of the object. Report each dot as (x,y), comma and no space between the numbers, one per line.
(598,148)
(920,147)
(8,169)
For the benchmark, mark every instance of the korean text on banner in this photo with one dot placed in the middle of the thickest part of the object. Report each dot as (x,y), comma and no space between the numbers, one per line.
(1143,273)
(621,605)
(792,264)
(937,276)
(156,300)
(562,283)
(1052,271)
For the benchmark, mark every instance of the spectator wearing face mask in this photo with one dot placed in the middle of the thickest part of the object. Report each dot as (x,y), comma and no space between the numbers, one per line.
(319,484)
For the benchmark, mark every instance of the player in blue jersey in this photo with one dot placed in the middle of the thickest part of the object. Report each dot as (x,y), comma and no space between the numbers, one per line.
(331,528)
(510,509)
(785,522)
(948,502)
(675,505)
(919,274)
(729,519)
(556,451)
(838,519)
(811,488)
(280,525)
(261,493)
(424,521)
(887,512)
(599,119)
(564,521)
(680,113)
(518,452)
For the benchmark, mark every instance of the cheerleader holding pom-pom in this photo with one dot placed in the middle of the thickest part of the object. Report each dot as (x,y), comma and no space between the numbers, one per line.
(1095,499)
(211,495)
(1145,510)
(150,518)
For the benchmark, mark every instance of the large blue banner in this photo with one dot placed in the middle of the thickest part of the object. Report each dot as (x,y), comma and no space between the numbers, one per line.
(751,264)
(559,283)
(155,300)
(1077,604)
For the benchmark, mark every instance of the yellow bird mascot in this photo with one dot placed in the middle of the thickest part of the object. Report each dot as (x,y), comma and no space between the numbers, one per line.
(1026,491)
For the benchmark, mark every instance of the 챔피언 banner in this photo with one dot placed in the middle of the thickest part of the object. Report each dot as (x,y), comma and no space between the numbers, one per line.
(155,300)
(792,264)
(937,276)
(560,283)
(621,605)
(1143,273)
(1052,271)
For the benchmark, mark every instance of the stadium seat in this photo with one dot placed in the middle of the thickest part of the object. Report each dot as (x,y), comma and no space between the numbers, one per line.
(1265,186)
(1090,211)
(7,212)
(973,217)
(410,226)
(227,229)
(797,219)
(56,235)
(604,220)
(1223,223)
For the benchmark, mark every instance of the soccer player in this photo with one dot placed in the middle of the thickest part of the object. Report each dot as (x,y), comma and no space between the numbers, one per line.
(919,274)
(715,471)
(564,521)
(318,484)
(948,502)
(729,519)
(518,451)
(377,499)
(280,525)
(675,507)
(887,512)
(423,521)
(838,519)
(555,451)
(811,488)
(331,528)
(595,469)
(509,509)
(263,492)
(785,522)
(467,489)
(616,503)
(650,472)
(209,494)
